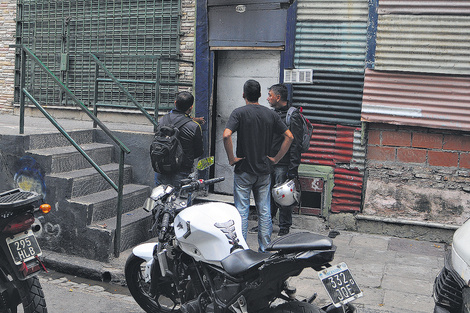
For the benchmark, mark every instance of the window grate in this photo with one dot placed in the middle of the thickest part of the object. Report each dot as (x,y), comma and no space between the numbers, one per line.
(63,33)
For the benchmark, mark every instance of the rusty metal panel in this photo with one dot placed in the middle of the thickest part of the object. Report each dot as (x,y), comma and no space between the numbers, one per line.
(429,44)
(418,100)
(430,7)
(339,147)
(347,192)
(338,11)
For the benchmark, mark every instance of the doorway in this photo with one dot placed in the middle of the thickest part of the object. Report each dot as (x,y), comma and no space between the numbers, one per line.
(233,69)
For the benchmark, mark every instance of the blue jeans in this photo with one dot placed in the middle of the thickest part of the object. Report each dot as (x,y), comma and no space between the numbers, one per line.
(244,184)
(285,213)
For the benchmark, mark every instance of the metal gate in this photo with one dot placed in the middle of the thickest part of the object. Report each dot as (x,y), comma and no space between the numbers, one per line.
(63,33)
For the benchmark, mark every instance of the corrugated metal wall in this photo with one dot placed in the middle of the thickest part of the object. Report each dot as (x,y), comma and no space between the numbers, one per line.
(416,39)
(430,7)
(429,44)
(422,100)
(115,28)
(331,39)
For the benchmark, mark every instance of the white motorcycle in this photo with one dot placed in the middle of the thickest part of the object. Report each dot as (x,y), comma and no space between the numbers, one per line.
(452,285)
(201,264)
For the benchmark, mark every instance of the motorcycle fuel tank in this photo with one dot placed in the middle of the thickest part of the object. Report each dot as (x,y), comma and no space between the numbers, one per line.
(209,232)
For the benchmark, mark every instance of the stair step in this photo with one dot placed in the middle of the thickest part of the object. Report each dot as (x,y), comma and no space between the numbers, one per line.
(102,205)
(87,181)
(135,226)
(56,139)
(66,159)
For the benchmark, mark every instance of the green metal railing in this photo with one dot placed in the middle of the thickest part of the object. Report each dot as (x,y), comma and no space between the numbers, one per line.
(119,187)
(157,83)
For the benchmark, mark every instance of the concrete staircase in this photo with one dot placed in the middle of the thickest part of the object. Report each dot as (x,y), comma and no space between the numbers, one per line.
(83,218)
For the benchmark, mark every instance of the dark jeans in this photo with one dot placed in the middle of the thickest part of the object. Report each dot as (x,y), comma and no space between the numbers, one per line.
(285,213)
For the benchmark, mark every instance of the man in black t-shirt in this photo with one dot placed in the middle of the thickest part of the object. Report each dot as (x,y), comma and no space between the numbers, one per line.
(255,126)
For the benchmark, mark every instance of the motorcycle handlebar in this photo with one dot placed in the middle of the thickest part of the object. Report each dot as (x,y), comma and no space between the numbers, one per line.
(199,184)
(165,224)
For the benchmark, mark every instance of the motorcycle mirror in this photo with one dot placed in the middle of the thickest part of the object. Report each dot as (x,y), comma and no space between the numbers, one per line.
(158,192)
(205,163)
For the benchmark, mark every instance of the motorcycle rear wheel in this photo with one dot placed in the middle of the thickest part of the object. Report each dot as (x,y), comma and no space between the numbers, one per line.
(166,298)
(30,295)
(297,307)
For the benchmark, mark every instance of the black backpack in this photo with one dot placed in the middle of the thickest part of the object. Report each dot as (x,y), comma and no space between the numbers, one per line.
(166,152)
(306,125)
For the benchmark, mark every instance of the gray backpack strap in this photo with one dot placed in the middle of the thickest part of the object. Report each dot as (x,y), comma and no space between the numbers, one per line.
(289,114)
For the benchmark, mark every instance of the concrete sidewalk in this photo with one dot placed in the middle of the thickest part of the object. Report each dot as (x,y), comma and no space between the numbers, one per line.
(396,275)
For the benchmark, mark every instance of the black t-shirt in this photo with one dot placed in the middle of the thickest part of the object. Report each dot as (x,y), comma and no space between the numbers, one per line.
(255,126)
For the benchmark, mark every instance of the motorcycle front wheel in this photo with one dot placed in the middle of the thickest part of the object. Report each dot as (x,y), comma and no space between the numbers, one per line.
(166,298)
(28,295)
(297,307)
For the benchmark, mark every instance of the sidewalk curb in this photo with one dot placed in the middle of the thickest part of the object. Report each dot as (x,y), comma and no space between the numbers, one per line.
(82,267)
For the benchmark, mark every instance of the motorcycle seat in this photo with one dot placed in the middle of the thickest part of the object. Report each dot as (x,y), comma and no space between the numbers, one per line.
(301,242)
(241,261)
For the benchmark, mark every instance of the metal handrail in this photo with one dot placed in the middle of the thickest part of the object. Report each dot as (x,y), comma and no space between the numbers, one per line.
(123,148)
(118,82)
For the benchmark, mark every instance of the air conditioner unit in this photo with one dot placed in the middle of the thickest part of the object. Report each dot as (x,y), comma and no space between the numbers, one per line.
(298,76)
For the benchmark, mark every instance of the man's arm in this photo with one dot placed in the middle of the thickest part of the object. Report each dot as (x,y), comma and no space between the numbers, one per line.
(288,138)
(228,145)
(198,142)
(296,127)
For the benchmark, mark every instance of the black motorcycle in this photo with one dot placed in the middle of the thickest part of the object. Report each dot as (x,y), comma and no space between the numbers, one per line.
(20,253)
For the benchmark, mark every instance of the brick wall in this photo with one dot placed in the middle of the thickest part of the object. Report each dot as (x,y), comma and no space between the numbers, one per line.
(188,18)
(418,146)
(418,173)
(7,55)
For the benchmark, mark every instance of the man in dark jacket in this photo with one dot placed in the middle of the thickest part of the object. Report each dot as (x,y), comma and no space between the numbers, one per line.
(287,167)
(190,136)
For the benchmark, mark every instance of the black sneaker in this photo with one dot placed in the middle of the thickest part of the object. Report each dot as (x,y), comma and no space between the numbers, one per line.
(254,230)
(283,231)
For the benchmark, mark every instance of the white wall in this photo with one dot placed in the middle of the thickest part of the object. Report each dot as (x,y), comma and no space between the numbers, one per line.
(234,69)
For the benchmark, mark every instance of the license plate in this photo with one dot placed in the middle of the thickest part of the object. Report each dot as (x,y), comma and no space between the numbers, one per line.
(23,247)
(339,284)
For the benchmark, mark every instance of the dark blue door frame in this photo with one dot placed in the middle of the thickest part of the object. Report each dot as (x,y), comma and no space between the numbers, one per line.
(204,65)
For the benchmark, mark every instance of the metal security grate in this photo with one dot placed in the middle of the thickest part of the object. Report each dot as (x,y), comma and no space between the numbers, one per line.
(63,33)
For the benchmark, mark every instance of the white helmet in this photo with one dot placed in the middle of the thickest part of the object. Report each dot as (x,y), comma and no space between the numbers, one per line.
(287,193)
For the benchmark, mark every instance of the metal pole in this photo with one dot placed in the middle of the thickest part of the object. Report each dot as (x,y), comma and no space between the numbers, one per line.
(157,92)
(95,94)
(117,239)
(22,83)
